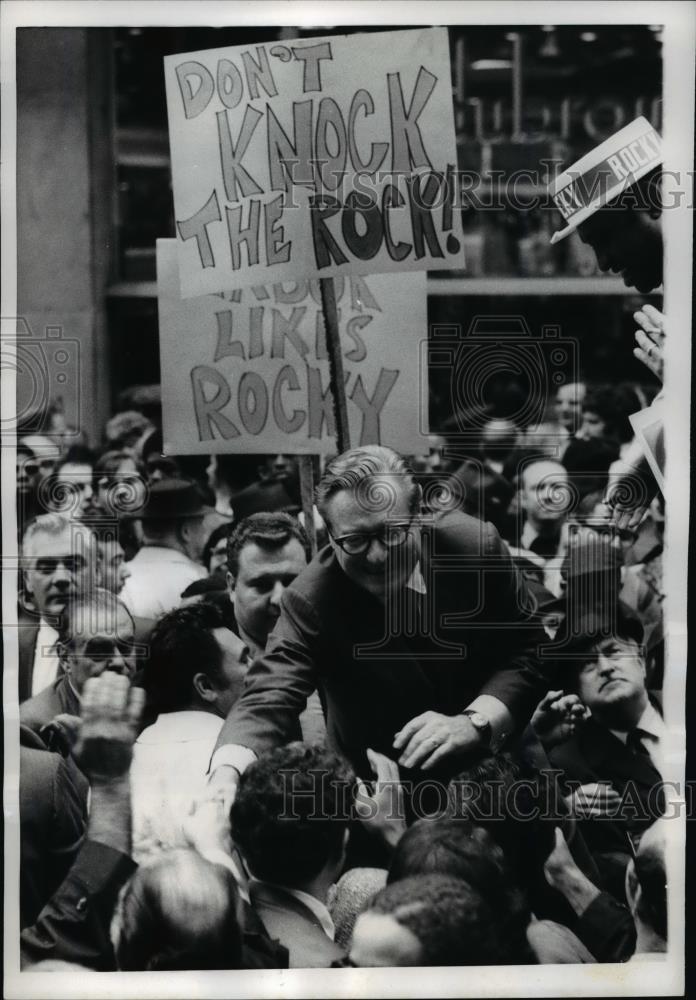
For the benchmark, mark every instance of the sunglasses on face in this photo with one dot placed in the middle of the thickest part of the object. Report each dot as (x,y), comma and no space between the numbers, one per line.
(72,564)
(103,649)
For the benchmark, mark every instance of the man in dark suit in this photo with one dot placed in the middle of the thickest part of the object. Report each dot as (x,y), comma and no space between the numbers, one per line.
(290,821)
(97,635)
(612,765)
(53,815)
(60,562)
(417,630)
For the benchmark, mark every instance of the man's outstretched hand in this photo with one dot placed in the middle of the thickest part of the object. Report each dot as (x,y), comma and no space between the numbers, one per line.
(111,711)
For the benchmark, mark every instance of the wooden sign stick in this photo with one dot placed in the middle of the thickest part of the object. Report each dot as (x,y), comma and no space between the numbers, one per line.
(333,347)
(307,494)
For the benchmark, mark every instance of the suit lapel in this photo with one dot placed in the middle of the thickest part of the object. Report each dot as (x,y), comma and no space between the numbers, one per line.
(606,754)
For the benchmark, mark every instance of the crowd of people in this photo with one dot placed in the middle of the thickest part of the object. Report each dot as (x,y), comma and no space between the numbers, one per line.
(435,740)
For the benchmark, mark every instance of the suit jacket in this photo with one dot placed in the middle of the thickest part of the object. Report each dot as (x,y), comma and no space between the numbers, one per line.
(74,924)
(475,635)
(595,754)
(27,634)
(57,699)
(53,814)
(289,921)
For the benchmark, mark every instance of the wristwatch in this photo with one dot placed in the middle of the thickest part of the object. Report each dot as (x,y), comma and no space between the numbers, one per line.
(481,725)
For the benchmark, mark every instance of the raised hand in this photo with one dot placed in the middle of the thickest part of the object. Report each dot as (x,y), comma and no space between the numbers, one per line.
(111,711)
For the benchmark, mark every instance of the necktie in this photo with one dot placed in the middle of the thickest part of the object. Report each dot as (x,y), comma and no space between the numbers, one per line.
(635,743)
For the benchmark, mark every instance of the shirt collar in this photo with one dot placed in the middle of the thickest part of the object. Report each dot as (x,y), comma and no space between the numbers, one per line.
(650,724)
(182,727)
(311,902)
(416,582)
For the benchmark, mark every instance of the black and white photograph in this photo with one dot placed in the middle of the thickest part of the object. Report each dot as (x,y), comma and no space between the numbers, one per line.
(345,440)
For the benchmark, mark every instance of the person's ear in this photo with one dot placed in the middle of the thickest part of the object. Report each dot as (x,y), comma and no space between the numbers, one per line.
(203,687)
(230,581)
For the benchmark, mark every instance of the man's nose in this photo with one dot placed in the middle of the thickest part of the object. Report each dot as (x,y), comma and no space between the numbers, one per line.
(61,575)
(376,553)
(277,593)
(605,665)
(123,572)
(602,260)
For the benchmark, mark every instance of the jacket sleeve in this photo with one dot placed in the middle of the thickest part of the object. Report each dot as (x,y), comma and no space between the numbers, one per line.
(278,683)
(74,924)
(607,929)
(520,671)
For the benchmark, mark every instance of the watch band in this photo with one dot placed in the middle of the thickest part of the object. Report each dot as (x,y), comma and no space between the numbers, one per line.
(481,725)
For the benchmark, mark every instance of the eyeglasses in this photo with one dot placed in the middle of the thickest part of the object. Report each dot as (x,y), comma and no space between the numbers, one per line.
(358,542)
(100,648)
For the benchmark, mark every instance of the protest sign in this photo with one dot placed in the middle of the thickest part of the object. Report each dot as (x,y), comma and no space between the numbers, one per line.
(247,371)
(313,158)
(648,426)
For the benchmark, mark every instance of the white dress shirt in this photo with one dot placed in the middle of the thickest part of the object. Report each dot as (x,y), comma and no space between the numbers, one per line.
(168,774)
(158,577)
(46,658)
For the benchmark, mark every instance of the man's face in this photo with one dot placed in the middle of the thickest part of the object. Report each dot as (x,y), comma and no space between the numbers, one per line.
(79,477)
(592,426)
(62,566)
(113,565)
(545,494)
(262,577)
(218,556)
(568,405)
(614,676)
(105,642)
(235,665)
(626,242)
(380,570)
(380,941)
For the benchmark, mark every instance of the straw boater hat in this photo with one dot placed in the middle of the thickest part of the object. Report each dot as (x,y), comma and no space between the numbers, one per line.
(604,173)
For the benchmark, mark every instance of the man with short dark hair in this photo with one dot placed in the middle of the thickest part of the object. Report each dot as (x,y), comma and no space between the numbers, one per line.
(265,553)
(417,632)
(290,820)
(193,676)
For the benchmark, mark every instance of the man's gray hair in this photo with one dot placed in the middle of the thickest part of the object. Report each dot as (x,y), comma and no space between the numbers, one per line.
(53,524)
(90,609)
(356,470)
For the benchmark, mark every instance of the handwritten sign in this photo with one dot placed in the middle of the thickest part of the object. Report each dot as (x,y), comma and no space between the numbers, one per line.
(313,158)
(247,371)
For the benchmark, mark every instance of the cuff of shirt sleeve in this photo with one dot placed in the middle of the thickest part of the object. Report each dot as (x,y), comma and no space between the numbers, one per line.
(234,755)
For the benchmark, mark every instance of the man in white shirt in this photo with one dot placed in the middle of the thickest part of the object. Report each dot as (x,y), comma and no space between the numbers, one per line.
(60,564)
(194,674)
(174,537)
